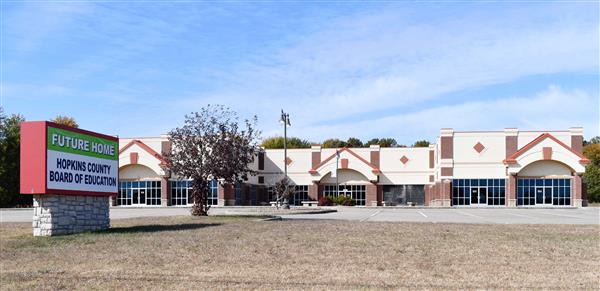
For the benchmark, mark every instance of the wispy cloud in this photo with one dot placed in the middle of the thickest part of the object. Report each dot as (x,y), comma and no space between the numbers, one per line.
(340,70)
(551,109)
(372,62)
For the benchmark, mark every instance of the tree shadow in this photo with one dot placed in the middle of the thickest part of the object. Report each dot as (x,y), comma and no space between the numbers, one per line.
(158,228)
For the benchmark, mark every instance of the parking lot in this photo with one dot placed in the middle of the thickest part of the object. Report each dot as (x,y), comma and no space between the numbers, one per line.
(588,215)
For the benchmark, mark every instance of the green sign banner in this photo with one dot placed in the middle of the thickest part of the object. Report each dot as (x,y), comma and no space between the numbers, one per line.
(81,144)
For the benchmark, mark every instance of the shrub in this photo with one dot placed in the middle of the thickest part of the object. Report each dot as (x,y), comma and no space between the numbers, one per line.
(345,201)
(325,201)
(341,200)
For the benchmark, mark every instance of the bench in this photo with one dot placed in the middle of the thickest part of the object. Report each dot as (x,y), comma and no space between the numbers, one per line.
(310,203)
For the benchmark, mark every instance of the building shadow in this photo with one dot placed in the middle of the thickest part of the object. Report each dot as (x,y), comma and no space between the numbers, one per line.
(158,228)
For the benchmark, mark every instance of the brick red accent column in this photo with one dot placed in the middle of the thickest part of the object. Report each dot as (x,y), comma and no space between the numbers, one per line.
(577,143)
(371,194)
(315,156)
(431,159)
(426,191)
(446,193)
(511,145)
(229,194)
(577,191)
(313,191)
(375,156)
(220,195)
(435,194)
(511,191)
(165,192)
(447,145)
(165,148)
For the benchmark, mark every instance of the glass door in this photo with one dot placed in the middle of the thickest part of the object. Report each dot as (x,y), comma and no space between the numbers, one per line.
(142,196)
(478,196)
(135,197)
(138,197)
(543,195)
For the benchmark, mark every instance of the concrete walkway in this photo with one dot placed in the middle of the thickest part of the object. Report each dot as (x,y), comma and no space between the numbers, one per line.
(587,215)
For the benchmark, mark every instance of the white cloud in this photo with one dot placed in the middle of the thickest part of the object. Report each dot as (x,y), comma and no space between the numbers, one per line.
(552,109)
(362,64)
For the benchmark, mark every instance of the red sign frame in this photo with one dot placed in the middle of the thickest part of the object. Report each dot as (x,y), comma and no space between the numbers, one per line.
(33,159)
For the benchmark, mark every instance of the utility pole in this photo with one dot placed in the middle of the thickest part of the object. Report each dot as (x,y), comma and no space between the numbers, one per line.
(285,120)
(337,176)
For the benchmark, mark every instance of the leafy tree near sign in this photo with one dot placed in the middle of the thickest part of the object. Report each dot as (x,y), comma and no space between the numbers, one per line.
(65,120)
(421,144)
(592,171)
(212,144)
(9,161)
(276,142)
(285,191)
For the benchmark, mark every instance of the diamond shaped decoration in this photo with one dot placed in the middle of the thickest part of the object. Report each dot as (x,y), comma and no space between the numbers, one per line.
(404,159)
(479,147)
(288,161)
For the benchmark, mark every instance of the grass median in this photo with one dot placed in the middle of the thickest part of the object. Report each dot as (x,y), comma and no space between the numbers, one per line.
(242,252)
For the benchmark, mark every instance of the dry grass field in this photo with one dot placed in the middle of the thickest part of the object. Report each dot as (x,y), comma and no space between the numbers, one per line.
(232,253)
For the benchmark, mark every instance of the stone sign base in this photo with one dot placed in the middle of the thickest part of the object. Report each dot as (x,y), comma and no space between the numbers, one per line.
(65,214)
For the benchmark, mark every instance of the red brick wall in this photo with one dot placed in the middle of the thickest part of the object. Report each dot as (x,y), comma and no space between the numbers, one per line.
(375,158)
(316,159)
(371,194)
(165,190)
(447,144)
(511,145)
(447,171)
(577,143)
(313,191)
(431,161)
(511,190)
(577,188)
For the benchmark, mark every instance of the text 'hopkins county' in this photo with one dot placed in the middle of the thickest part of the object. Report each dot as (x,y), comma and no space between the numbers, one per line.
(82,166)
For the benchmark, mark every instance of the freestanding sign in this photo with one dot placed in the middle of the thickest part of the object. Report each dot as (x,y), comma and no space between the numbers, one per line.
(71,173)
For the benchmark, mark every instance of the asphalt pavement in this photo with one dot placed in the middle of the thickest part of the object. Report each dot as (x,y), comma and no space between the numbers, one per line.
(586,215)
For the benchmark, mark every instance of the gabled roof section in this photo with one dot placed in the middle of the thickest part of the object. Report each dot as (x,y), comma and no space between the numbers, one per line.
(146,148)
(375,169)
(513,158)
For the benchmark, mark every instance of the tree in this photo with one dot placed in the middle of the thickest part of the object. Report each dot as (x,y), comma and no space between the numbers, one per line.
(276,142)
(421,144)
(592,171)
(10,161)
(353,142)
(333,143)
(383,142)
(284,192)
(65,120)
(594,140)
(212,144)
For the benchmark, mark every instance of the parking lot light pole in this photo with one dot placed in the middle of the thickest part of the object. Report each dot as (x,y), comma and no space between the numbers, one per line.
(285,120)
(337,177)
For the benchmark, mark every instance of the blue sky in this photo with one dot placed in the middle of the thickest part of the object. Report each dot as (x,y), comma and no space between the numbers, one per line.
(376,69)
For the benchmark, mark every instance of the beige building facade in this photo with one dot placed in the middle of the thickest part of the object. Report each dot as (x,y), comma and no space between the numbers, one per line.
(507,168)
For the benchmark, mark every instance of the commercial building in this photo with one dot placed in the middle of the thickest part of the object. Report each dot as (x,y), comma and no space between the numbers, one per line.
(509,168)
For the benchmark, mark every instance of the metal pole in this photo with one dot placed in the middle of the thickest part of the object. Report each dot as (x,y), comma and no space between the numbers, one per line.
(286,121)
(337,176)
(285,146)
